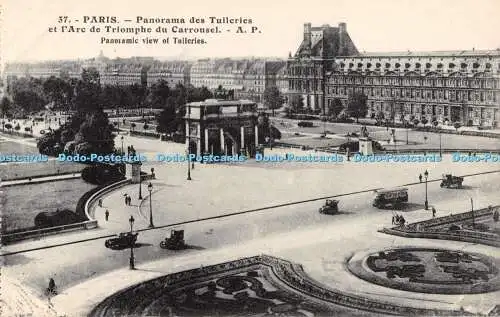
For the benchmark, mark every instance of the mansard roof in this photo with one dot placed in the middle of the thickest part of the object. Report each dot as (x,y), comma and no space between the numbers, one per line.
(458,53)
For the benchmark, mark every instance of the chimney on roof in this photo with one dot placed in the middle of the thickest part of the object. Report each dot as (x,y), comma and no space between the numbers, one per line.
(307,38)
(342,39)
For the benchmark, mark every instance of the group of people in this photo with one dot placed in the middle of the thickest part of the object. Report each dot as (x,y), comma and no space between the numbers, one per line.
(398,220)
(106,213)
(128,200)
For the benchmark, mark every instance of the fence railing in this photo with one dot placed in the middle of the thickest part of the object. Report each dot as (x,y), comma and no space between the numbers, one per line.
(424,229)
(89,211)
(17,236)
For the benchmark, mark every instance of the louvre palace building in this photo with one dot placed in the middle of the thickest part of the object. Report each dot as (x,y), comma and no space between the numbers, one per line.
(447,86)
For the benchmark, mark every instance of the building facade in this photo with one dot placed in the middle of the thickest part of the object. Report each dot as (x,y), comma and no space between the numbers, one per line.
(247,77)
(222,127)
(174,73)
(455,86)
(306,70)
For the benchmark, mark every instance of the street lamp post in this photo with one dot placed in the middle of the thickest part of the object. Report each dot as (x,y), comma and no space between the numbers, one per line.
(150,189)
(440,148)
(140,181)
(426,174)
(188,150)
(348,149)
(123,152)
(472,211)
(407,128)
(131,262)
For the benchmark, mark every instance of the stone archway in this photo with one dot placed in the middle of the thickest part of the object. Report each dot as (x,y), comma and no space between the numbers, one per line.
(231,141)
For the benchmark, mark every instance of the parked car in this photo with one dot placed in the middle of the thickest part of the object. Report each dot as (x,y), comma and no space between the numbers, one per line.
(331,207)
(175,242)
(305,124)
(452,181)
(123,241)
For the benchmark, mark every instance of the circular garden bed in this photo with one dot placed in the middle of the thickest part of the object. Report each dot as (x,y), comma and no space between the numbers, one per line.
(428,270)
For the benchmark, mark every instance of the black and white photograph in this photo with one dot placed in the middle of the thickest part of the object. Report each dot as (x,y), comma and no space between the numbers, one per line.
(249,158)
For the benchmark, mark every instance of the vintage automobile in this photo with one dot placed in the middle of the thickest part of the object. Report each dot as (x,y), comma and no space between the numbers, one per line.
(330,207)
(452,181)
(175,242)
(394,197)
(305,124)
(123,241)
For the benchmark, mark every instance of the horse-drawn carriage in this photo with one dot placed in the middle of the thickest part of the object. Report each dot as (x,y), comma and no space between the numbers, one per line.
(452,181)
(122,241)
(330,207)
(175,242)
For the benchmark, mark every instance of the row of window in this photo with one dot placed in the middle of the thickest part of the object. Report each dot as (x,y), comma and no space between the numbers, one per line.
(418,81)
(452,95)
(425,110)
(474,65)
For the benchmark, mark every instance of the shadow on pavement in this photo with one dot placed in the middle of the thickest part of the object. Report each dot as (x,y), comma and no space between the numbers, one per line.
(140,245)
(464,187)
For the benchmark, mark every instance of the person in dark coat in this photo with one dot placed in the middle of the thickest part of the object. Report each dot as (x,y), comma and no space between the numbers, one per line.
(52,287)
(106,215)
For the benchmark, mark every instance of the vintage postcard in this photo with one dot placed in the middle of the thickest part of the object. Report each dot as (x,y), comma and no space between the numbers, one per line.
(258,158)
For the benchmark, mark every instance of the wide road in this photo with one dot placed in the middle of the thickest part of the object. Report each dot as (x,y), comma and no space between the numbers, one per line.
(217,190)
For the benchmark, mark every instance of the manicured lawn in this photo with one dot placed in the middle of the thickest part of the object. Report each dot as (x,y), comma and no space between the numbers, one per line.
(9,147)
(11,171)
(24,202)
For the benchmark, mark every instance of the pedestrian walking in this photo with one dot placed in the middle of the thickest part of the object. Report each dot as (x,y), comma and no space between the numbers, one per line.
(126,199)
(420,177)
(393,219)
(106,215)
(129,200)
(100,202)
(52,290)
(433,212)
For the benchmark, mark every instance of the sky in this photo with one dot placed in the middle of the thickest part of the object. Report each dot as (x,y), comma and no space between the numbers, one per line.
(373,25)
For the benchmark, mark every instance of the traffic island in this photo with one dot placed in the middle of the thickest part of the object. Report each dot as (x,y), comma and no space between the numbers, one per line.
(426,270)
(479,226)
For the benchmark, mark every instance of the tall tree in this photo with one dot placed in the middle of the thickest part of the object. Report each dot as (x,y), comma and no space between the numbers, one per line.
(356,105)
(5,106)
(57,91)
(296,103)
(335,107)
(273,98)
(88,91)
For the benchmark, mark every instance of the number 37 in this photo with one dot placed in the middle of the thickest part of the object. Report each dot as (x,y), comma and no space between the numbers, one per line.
(62,19)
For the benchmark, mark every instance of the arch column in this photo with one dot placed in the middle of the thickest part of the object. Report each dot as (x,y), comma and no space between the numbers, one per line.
(206,149)
(242,138)
(198,140)
(222,145)
(256,136)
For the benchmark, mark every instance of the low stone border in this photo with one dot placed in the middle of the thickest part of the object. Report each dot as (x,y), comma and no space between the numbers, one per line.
(292,275)
(359,266)
(91,223)
(90,204)
(423,229)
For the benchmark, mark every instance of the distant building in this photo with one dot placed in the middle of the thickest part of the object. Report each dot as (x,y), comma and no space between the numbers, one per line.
(247,77)
(175,72)
(447,86)
(315,57)
(227,127)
